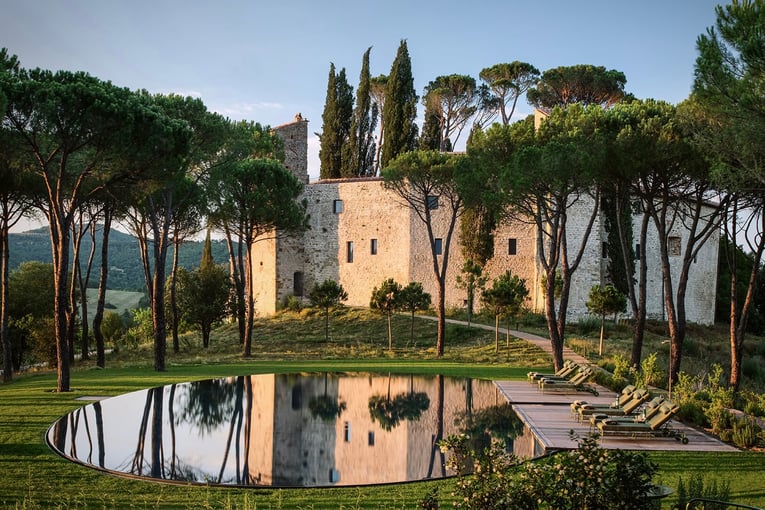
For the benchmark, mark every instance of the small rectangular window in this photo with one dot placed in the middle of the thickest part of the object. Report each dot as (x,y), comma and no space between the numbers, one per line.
(604,250)
(439,246)
(298,284)
(349,249)
(373,246)
(512,246)
(637,251)
(347,432)
(432,202)
(337,206)
(371,438)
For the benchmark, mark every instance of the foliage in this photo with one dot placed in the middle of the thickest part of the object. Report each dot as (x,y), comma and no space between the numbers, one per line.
(359,148)
(506,297)
(452,100)
(413,298)
(141,329)
(326,407)
(400,108)
(585,84)
(508,82)
(588,477)
(113,328)
(604,301)
(386,299)
(325,295)
(698,486)
(389,412)
(649,373)
(336,123)
(203,296)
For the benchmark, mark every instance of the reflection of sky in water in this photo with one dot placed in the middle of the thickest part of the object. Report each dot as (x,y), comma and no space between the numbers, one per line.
(284,429)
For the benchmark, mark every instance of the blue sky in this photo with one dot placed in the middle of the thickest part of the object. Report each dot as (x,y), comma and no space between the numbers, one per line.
(267,61)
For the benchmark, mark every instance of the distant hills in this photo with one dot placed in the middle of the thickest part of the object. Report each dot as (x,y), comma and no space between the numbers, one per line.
(125,271)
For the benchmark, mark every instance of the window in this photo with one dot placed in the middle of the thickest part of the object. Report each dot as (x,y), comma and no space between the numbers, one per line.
(297,397)
(298,284)
(512,246)
(637,251)
(347,432)
(334,475)
(371,438)
(432,202)
(439,246)
(337,206)
(373,246)
(673,246)
(349,251)
(604,250)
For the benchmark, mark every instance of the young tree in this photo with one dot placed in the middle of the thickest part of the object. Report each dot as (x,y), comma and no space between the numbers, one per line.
(411,299)
(425,182)
(505,297)
(203,294)
(605,301)
(386,300)
(508,82)
(584,84)
(359,149)
(729,85)
(326,295)
(400,108)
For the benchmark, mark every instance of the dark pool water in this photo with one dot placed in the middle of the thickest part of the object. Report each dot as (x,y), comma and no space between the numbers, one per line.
(284,430)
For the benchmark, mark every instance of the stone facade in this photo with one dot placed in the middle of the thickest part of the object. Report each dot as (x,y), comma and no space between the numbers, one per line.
(362,234)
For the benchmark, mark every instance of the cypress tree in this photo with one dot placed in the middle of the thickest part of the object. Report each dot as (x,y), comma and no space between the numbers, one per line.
(359,149)
(207,261)
(329,157)
(400,109)
(344,115)
(430,138)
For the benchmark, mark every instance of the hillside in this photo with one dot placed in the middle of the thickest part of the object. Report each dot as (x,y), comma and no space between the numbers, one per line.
(125,271)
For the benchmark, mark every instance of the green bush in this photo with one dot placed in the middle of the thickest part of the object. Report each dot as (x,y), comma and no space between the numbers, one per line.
(588,325)
(588,477)
(697,487)
(745,432)
(692,412)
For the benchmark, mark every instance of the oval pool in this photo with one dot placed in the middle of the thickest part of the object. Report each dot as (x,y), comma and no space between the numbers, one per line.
(285,430)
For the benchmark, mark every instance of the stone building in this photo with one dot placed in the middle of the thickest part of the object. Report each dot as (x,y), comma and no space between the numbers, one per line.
(362,234)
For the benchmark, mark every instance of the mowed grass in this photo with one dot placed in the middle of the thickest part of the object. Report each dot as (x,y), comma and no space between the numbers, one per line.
(34,477)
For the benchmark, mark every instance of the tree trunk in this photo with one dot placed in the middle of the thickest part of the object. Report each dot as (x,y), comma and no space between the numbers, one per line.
(175,319)
(639,301)
(60,249)
(390,333)
(249,300)
(4,333)
(102,281)
(441,312)
(602,334)
(496,332)
(206,335)
(83,281)
(236,278)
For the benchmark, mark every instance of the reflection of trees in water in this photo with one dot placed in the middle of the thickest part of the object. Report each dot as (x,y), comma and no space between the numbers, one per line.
(207,404)
(389,412)
(498,422)
(435,449)
(325,406)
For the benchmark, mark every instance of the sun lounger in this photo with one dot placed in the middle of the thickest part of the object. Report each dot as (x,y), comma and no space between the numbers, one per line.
(637,399)
(568,369)
(624,396)
(646,413)
(656,426)
(576,383)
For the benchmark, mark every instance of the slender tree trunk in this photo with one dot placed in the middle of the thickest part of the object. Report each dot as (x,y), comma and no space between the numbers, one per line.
(175,319)
(496,333)
(102,281)
(602,334)
(84,281)
(236,279)
(249,299)
(390,333)
(639,306)
(4,318)
(74,278)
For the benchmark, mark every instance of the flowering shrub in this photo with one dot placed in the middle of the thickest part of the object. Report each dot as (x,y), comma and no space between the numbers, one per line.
(588,478)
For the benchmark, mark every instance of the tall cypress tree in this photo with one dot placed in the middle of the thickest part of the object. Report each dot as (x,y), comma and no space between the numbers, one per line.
(329,157)
(400,109)
(359,149)
(344,115)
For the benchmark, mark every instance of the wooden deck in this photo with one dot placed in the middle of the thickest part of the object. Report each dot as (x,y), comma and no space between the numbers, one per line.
(548,416)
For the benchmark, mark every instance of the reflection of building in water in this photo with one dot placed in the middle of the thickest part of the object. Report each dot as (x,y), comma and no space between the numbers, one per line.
(291,446)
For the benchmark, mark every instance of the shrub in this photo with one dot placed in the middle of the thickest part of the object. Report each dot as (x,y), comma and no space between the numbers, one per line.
(588,477)
(697,487)
(745,432)
(588,325)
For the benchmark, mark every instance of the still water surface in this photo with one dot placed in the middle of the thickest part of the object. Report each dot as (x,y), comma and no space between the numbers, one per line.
(284,430)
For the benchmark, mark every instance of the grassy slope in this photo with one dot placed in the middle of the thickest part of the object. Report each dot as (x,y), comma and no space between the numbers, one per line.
(34,477)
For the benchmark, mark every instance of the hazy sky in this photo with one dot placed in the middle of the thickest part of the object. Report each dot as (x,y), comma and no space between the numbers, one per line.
(267,61)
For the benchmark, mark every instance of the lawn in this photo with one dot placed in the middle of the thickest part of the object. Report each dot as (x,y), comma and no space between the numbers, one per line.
(34,477)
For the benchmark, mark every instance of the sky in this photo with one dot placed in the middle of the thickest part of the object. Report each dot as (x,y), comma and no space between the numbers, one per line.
(267,61)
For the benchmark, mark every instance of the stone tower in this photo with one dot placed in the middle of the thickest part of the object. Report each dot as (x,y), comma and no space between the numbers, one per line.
(295,137)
